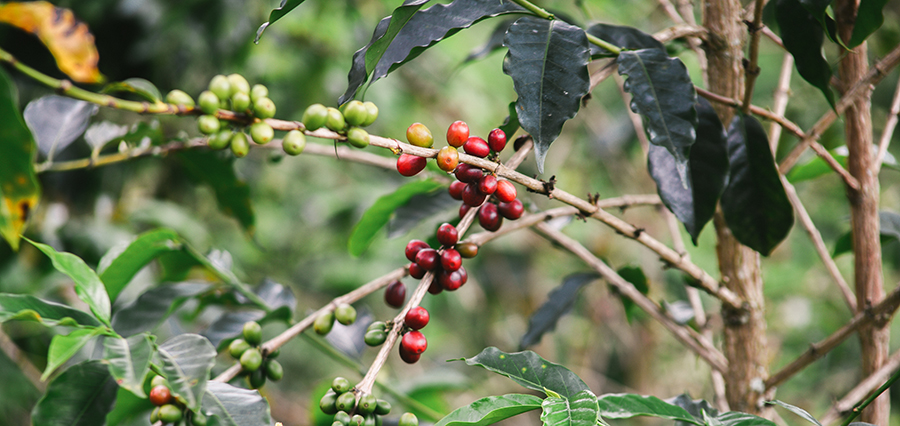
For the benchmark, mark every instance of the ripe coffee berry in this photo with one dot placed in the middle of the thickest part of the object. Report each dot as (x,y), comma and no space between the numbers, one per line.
(487,185)
(419,135)
(416,318)
(452,280)
(497,140)
(160,395)
(428,259)
(435,286)
(416,271)
(463,209)
(472,196)
(448,159)
(447,234)
(410,165)
(450,260)
(512,210)
(414,342)
(506,191)
(489,218)
(413,247)
(408,357)
(395,294)
(458,133)
(468,174)
(456,189)
(477,147)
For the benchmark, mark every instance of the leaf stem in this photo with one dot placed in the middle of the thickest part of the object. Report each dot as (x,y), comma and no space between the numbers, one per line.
(535,9)
(858,409)
(604,44)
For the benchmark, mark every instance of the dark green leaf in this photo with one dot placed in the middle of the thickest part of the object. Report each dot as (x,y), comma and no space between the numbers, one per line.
(232,195)
(664,96)
(490,410)
(88,286)
(276,14)
(694,204)
(579,410)
(80,396)
(626,406)
(57,121)
(511,123)
(129,410)
(278,297)
(63,347)
(138,86)
(129,361)
(494,43)
(186,362)
(754,204)
(399,18)
(118,267)
(734,418)
(378,215)
(235,406)
(889,224)
(417,209)
(869,18)
(844,244)
(558,303)
(25,307)
(153,306)
(530,370)
(694,406)
(796,410)
(547,61)
(634,275)
(621,36)
(803,35)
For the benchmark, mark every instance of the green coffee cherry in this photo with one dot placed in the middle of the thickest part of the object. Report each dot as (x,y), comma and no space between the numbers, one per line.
(209,102)
(340,385)
(252,333)
(367,404)
(240,146)
(261,132)
(158,381)
(264,108)
(208,124)
(315,116)
(240,102)
(274,354)
(345,401)
(324,323)
(371,114)
(258,91)
(375,337)
(337,423)
(237,347)
(220,86)
(238,84)
(251,359)
(293,142)
(370,420)
(345,314)
(357,420)
(179,97)
(382,407)
(335,120)
(377,325)
(220,140)
(198,419)
(355,113)
(274,370)
(358,137)
(257,379)
(326,404)
(342,417)
(154,415)
(170,413)
(408,419)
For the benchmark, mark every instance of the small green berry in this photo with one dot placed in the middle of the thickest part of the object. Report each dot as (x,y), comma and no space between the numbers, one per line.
(257,379)
(170,413)
(208,124)
(355,113)
(345,401)
(252,333)
(158,381)
(315,116)
(220,140)
(345,314)
(377,325)
(342,417)
(209,102)
(335,120)
(337,423)
(340,385)
(179,97)
(274,354)
(240,102)
(198,419)
(358,137)
(323,323)
(154,415)
(258,91)
(261,132)
(357,420)
(220,86)
(371,114)
(240,146)
(238,84)
(371,420)
(326,404)
(274,370)
(382,407)
(264,108)
(375,337)
(237,347)
(251,359)
(408,419)
(367,404)
(294,142)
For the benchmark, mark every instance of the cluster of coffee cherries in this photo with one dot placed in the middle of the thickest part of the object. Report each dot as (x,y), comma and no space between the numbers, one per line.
(340,401)
(257,367)
(344,313)
(413,342)
(348,121)
(168,409)
(475,187)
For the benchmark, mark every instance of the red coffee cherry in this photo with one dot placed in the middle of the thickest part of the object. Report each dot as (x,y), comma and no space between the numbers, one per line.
(407,356)
(463,209)
(410,165)
(497,140)
(456,189)
(487,185)
(458,133)
(414,342)
(477,147)
(416,318)
(512,210)
(416,271)
(489,218)
(160,395)
(452,280)
(450,260)
(506,191)
(435,286)
(412,249)
(472,196)
(468,174)
(447,234)
(428,259)
(448,159)
(395,294)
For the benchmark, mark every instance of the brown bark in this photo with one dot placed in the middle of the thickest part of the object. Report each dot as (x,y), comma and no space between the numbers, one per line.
(744,342)
(874,339)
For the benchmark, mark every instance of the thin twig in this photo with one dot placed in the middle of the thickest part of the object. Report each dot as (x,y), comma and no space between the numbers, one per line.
(30,372)
(752,67)
(781,96)
(772,36)
(888,131)
(861,390)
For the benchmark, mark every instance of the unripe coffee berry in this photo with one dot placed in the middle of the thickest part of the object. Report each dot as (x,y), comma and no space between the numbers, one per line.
(382,407)
(358,137)
(220,140)
(456,189)
(419,135)
(371,113)
(413,247)
(251,359)
(447,234)
(467,250)
(240,146)
(472,196)
(257,378)
(468,174)
(237,347)
(209,102)
(240,102)
(355,113)
(154,415)
(160,395)
(220,86)
(345,401)
(416,318)
(170,413)
(410,165)
(261,132)
(179,97)
(158,381)
(208,124)
(477,147)
(489,218)
(428,259)
(342,417)
(252,333)
(497,140)
(414,342)
(326,404)
(487,185)
(238,84)
(335,120)
(315,116)
(506,191)
(458,133)
(395,294)
(274,370)
(258,91)
(408,419)
(416,271)
(408,356)
(340,385)
(367,404)
(357,420)
(345,314)
(375,337)
(293,142)
(264,108)
(199,419)
(450,260)
(448,159)
(323,323)
(512,210)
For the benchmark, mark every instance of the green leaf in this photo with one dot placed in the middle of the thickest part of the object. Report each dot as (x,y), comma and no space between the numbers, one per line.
(278,297)
(754,204)
(490,410)
(796,410)
(138,86)
(579,410)
(118,267)
(380,213)
(734,418)
(530,370)
(419,208)
(232,195)
(695,203)
(26,307)
(129,409)
(511,123)
(63,347)
(129,361)
(803,36)
(153,306)
(80,396)
(19,187)
(559,302)
(621,36)
(187,360)
(88,286)
(635,275)
(626,406)
(696,407)
(57,121)
(869,18)
(814,168)
(664,96)
(547,61)
(276,14)
(235,406)
(399,18)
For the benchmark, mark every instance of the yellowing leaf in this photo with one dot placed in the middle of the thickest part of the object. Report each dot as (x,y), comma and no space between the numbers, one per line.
(19,188)
(68,39)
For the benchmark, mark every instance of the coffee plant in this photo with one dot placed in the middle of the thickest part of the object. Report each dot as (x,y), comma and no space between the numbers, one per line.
(162,328)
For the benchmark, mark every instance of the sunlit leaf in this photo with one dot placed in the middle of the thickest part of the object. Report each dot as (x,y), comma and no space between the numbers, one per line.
(138,86)
(558,303)
(63,347)
(80,396)
(19,188)
(490,410)
(530,370)
(796,410)
(118,268)
(579,410)
(234,406)
(186,362)
(626,406)
(129,360)
(380,213)
(30,308)
(57,121)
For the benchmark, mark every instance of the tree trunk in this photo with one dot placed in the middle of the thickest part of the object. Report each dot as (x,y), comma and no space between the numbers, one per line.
(744,342)
(874,338)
